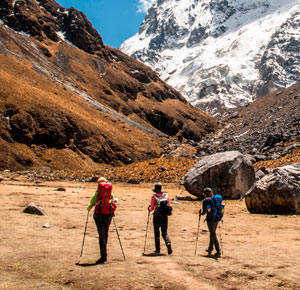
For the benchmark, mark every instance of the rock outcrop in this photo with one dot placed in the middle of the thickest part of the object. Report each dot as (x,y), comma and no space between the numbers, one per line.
(228,173)
(277,192)
(32,208)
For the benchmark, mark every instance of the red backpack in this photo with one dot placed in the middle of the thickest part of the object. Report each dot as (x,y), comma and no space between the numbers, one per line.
(105,203)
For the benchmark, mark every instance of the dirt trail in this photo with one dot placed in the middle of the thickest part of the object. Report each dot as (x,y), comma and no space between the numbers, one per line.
(174,272)
(259,250)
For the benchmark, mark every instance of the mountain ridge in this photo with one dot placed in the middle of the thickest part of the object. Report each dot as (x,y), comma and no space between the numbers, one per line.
(63,106)
(212,51)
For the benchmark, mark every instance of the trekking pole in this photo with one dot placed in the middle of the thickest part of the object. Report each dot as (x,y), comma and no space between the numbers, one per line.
(118,237)
(146,231)
(85,227)
(220,234)
(197,234)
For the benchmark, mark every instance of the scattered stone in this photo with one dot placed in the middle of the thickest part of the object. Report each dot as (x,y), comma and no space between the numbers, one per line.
(277,192)
(204,230)
(6,170)
(228,173)
(259,174)
(182,197)
(133,181)
(93,179)
(1,178)
(60,189)
(260,157)
(46,226)
(184,229)
(34,209)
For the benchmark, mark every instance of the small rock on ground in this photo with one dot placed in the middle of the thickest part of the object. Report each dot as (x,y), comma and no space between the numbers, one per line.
(34,209)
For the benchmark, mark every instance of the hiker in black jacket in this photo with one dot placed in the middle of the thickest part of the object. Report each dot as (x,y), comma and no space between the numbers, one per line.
(160,219)
(213,208)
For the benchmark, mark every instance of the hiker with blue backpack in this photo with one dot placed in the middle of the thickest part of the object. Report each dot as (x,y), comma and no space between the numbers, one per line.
(214,209)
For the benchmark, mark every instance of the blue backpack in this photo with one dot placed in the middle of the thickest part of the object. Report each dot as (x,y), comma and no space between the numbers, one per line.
(217,210)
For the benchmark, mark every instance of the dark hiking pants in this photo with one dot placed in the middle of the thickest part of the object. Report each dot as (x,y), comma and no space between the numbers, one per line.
(213,240)
(103,222)
(160,222)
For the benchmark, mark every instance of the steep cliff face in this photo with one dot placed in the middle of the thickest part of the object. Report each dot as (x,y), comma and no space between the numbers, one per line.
(220,54)
(47,19)
(69,101)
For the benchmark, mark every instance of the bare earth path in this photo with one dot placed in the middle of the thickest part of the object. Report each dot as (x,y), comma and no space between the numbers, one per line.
(260,251)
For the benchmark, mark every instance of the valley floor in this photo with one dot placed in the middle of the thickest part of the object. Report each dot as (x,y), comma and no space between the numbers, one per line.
(260,251)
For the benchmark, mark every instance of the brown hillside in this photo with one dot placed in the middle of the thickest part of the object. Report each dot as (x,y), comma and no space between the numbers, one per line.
(268,128)
(69,107)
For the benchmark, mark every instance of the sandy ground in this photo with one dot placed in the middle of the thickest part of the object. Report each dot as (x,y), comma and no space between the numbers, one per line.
(260,251)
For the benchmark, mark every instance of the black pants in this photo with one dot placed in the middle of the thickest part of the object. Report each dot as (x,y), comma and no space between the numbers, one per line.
(160,222)
(103,222)
(213,240)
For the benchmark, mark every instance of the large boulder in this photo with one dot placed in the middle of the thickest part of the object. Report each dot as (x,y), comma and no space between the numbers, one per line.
(277,192)
(228,173)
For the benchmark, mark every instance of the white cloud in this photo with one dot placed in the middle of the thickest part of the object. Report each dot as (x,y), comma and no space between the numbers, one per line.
(144,5)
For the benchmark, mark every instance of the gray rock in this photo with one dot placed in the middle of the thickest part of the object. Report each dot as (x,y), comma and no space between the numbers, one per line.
(34,209)
(182,197)
(277,192)
(260,157)
(250,158)
(228,173)
(291,148)
(259,174)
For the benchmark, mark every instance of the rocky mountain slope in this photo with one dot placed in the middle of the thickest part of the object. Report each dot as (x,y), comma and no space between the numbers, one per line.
(220,54)
(268,128)
(67,101)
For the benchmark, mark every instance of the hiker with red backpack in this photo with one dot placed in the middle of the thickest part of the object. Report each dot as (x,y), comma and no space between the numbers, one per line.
(213,208)
(160,204)
(104,211)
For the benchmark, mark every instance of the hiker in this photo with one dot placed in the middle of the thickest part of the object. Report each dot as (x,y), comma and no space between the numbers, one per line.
(213,208)
(160,204)
(104,211)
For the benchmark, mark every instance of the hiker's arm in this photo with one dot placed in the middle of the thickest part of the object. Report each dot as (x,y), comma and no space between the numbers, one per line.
(152,205)
(93,201)
(204,208)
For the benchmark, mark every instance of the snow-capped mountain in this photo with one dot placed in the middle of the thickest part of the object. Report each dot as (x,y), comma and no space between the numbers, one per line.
(220,54)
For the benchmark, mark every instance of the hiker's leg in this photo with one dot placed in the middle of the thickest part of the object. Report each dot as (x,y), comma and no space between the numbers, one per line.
(211,238)
(164,230)
(156,225)
(215,239)
(100,229)
(106,223)
(164,233)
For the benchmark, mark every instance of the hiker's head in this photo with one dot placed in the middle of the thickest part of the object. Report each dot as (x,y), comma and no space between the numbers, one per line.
(102,179)
(207,192)
(157,187)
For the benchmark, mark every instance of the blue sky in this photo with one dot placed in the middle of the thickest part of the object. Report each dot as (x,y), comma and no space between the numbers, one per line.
(115,20)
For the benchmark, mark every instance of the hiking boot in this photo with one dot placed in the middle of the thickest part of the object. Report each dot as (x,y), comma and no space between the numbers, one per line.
(101,261)
(217,255)
(169,249)
(208,250)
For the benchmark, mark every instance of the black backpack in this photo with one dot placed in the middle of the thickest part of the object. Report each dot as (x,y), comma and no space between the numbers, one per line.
(163,207)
